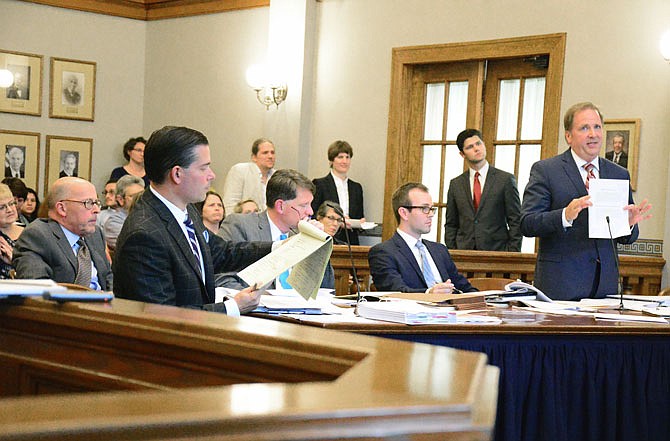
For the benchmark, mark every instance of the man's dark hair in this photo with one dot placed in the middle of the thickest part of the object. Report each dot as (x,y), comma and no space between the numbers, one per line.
(284,185)
(130,144)
(465,134)
(338,147)
(259,141)
(401,197)
(17,187)
(169,147)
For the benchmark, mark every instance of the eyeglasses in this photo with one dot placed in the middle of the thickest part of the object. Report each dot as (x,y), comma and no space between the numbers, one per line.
(8,205)
(334,219)
(424,208)
(88,203)
(106,192)
(138,150)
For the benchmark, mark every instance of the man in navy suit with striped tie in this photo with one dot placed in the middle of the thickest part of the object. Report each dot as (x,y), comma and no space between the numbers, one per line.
(163,253)
(405,262)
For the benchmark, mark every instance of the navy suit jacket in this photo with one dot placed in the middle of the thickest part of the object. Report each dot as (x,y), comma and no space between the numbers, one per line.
(326,191)
(495,226)
(394,267)
(43,252)
(567,259)
(154,262)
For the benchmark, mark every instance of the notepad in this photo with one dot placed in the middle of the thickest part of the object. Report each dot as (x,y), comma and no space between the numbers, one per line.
(407,312)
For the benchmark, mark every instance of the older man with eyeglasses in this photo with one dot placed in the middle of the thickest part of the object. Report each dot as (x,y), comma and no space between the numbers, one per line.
(67,247)
(405,262)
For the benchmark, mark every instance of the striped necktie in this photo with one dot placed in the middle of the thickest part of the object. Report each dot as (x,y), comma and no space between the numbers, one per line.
(589,174)
(84,266)
(425,265)
(190,230)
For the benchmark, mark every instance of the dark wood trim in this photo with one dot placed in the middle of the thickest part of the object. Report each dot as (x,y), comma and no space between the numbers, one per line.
(154,9)
(178,365)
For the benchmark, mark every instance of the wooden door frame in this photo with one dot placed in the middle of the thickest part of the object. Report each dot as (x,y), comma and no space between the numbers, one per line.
(403,62)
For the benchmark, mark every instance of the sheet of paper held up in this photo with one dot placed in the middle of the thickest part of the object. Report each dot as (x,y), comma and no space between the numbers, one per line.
(307,252)
(609,197)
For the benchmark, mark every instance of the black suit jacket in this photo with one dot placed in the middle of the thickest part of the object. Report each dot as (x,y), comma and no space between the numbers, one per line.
(567,260)
(154,262)
(43,252)
(495,226)
(394,267)
(326,191)
(22,172)
(623,159)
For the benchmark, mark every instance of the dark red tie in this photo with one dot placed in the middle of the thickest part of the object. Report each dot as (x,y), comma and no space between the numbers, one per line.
(476,191)
(589,174)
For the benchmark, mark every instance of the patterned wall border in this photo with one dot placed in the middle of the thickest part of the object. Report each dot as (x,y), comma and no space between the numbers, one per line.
(643,247)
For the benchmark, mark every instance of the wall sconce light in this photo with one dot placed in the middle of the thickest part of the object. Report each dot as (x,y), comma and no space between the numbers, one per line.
(269,88)
(6,78)
(664,46)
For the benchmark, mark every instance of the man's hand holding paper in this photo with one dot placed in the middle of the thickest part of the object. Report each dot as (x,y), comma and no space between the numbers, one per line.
(609,198)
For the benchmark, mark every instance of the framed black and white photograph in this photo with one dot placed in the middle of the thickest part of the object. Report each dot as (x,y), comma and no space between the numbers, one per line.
(22,155)
(24,94)
(72,89)
(621,143)
(68,156)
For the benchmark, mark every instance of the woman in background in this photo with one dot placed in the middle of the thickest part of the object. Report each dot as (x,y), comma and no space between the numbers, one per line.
(246,206)
(133,151)
(337,187)
(31,205)
(331,221)
(212,211)
(9,231)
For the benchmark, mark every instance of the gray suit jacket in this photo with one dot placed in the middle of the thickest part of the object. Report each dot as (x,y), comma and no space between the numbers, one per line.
(43,252)
(255,227)
(495,226)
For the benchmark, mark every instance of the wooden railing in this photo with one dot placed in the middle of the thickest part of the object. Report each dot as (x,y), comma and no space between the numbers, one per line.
(641,275)
(155,372)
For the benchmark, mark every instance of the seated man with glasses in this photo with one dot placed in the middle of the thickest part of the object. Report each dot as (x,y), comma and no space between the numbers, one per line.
(67,247)
(289,197)
(405,262)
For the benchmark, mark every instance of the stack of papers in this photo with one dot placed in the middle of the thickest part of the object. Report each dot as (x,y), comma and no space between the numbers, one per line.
(28,288)
(405,311)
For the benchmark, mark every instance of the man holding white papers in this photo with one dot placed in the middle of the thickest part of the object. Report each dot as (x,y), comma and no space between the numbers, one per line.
(570,265)
(406,263)
(289,195)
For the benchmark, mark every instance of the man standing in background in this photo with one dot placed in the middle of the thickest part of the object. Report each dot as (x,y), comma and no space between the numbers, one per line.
(247,180)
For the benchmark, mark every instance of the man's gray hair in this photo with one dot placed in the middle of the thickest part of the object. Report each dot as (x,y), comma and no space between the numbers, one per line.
(126,181)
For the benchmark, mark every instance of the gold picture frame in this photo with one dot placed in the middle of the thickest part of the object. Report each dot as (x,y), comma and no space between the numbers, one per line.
(24,96)
(68,156)
(22,156)
(72,94)
(629,131)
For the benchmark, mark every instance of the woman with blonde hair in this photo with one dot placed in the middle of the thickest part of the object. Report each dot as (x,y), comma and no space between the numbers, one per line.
(9,231)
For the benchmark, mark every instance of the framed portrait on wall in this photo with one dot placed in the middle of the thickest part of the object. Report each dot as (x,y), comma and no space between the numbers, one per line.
(21,151)
(67,156)
(621,142)
(72,94)
(24,95)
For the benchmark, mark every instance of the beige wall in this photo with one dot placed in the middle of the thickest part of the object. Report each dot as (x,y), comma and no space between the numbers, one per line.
(195,70)
(117,45)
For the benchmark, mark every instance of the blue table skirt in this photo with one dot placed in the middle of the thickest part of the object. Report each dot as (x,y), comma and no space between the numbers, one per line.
(574,388)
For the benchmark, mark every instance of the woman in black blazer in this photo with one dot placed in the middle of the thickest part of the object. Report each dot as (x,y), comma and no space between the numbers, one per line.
(339,156)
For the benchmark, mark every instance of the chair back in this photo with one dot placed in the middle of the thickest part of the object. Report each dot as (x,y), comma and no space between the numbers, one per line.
(489,283)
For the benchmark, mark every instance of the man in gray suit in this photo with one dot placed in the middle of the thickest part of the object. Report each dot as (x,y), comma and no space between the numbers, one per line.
(289,196)
(483,207)
(69,242)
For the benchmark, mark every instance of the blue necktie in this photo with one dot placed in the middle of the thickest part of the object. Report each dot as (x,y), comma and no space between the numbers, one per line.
(190,230)
(425,266)
(283,276)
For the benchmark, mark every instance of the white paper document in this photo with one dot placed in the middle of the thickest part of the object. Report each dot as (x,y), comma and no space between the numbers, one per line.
(356,223)
(307,253)
(609,197)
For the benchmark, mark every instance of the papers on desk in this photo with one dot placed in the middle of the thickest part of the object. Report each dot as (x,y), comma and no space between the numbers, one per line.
(609,197)
(356,223)
(307,253)
(289,301)
(407,312)
(28,288)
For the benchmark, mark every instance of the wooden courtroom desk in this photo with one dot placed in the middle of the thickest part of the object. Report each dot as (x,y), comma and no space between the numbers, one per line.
(563,378)
(156,373)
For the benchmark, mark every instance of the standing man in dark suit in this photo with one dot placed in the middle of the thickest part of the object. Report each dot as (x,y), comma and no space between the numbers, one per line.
(405,262)
(570,266)
(337,187)
(617,155)
(68,247)
(483,207)
(163,253)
